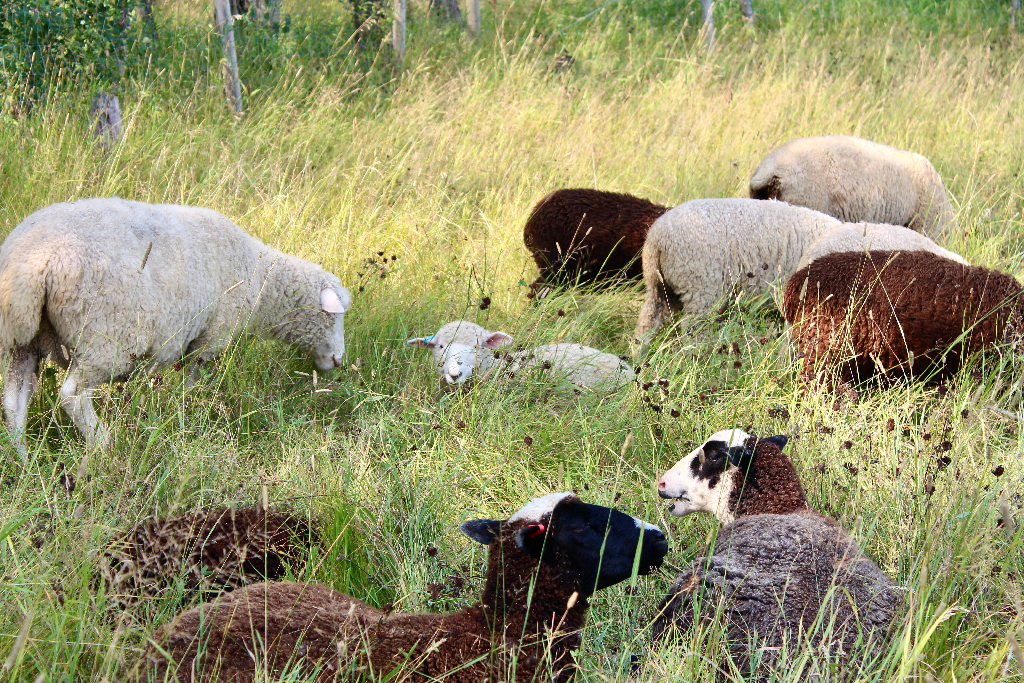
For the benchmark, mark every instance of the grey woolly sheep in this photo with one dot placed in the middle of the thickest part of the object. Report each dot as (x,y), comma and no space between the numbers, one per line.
(856,181)
(102,286)
(461,349)
(787,576)
(543,564)
(861,237)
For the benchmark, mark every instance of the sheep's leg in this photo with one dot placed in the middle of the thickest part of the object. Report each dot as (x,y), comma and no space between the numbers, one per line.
(659,306)
(76,397)
(20,381)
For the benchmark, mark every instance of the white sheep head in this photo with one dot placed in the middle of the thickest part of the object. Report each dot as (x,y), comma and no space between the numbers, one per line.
(461,348)
(328,350)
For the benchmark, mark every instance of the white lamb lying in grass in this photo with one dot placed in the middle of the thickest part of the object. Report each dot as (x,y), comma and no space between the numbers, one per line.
(462,349)
(103,286)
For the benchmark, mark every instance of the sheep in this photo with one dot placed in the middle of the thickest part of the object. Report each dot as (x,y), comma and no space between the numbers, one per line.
(897,312)
(786,574)
(103,286)
(206,551)
(697,251)
(462,349)
(583,235)
(544,562)
(871,237)
(856,180)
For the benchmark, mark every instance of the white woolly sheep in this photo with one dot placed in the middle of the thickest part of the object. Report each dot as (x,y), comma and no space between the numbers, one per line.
(783,571)
(861,237)
(106,285)
(543,564)
(856,180)
(462,349)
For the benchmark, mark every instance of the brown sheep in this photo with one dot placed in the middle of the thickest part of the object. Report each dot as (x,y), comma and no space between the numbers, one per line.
(544,562)
(209,550)
(582,235)
(785,573)
(910,313)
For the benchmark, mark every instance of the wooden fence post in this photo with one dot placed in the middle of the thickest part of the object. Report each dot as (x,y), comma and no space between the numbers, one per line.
(473,18)
(1014,11)
(398,31)
(222,10)
(747,7)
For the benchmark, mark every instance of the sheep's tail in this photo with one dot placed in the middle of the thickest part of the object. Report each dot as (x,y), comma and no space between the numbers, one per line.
(22,298)
(764,184)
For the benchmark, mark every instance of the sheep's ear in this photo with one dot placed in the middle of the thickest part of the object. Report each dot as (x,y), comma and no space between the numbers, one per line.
(330,302)
(742,456)
(481,530)
(530,539)
(496,340)
(422,342)
(779,440)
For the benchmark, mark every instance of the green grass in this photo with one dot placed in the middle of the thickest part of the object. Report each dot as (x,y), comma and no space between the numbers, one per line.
(439,164)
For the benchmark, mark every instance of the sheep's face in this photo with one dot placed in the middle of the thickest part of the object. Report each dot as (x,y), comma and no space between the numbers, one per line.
(457,348)
(329,351)
(599,544)
(700,481)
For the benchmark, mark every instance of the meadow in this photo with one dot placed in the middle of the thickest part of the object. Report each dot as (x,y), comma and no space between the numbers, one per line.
(412,184)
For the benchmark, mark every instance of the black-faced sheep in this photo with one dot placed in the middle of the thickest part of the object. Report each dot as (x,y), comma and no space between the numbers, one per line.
(462,349)
(544,562)
(581,235)
(856,181)
(787,575)
(107,285)
(206,551)
(897,312)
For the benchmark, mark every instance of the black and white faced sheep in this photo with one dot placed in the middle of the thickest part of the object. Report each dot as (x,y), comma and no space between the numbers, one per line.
(200,552)
(788,577)
(892,312)
(582,235)
(102,286)
(856,181)
(461,350)
(543,564)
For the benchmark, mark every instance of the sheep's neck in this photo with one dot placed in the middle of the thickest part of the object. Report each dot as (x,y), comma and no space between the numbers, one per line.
(526,602)
(771,486)
(272,294)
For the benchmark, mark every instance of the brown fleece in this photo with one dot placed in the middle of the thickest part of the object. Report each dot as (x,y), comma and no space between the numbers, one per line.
(588,234)
(770,484)
(322,631)
(209,550)
(897,312)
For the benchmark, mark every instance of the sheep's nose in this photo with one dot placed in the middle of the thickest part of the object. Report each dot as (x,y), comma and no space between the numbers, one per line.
(660,543)
(661,490)
(336,361)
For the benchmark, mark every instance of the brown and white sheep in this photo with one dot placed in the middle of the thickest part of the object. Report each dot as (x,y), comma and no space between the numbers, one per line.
(787,575)
(905,312)
(582,235)
(544,562)
(856,181)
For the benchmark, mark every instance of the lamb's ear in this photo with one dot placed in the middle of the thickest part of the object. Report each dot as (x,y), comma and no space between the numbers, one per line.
(422,342)
(530,539)
(330,302)
(495,340)
(742,456)
(779,440)
(481,530)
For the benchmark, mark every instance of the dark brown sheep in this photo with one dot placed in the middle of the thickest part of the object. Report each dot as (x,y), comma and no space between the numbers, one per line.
(544,562)
(785,574)
(209,550)
(581,235)
(897,312)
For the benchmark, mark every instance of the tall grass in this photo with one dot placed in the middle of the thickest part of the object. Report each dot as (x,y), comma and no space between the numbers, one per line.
(438,165)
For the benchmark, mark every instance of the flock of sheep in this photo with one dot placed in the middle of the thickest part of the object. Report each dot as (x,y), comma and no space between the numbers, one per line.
(105,286)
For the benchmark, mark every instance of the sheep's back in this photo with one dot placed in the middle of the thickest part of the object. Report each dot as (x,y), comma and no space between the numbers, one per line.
(860,237)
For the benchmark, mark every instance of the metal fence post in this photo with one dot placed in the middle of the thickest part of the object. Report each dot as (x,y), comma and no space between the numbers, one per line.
(222,10)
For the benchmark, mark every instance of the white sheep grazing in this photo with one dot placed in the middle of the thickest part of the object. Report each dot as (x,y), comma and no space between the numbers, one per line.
(461,349)
(699,250)
(102,286)
(861,237)
(856,180)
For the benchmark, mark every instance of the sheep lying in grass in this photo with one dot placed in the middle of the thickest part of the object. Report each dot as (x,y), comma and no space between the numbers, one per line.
(787,575)
(856,180)
(582,235)
(210,550)
(462,349)
(543,564)
(870,237)
(902,312)
(106,285)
